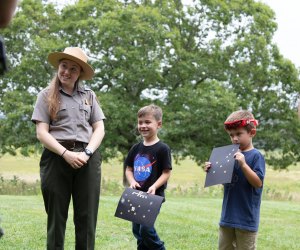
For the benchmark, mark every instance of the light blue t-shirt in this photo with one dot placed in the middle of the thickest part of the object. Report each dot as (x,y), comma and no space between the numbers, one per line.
(241,201)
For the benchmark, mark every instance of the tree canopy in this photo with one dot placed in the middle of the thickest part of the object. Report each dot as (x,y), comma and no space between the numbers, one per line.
(199,62)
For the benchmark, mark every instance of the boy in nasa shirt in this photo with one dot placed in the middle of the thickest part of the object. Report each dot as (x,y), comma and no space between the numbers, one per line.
(148,168)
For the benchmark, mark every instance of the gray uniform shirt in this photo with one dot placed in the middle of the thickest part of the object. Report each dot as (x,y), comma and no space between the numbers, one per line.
(75,116)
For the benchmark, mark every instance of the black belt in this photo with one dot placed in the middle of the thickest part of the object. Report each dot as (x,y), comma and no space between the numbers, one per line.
(71,145)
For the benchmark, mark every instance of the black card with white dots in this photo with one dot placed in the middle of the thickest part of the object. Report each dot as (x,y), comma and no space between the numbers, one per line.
(139,207)
(222,163)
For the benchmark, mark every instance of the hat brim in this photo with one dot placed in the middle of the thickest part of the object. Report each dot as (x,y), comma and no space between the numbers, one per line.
(87,71)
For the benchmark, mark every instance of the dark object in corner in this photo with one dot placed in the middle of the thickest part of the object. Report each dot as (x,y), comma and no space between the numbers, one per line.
(3,67)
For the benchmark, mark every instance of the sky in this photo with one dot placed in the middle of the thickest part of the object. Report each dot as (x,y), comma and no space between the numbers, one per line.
(287,37)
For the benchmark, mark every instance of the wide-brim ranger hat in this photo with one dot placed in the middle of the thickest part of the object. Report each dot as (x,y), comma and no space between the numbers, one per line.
(74,54)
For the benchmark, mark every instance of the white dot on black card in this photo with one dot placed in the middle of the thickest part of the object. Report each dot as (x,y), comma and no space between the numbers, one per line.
(217,162)
(224,171)
(144,216)
(128,200)
(121,212)
(221,166)
(151,203)
(214,172)
(229,153)
(122,200)
(139,206)
(128,211)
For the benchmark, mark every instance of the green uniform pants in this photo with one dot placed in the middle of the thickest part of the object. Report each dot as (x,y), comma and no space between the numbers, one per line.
(60,182)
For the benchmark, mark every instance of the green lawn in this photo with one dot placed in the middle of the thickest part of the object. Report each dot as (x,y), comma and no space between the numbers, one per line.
(188,220)
(184,223)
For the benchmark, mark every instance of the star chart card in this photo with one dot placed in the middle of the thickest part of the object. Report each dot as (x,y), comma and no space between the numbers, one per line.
(222,163)
(139,207)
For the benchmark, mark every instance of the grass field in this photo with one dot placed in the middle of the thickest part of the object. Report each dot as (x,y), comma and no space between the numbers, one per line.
(184,224)
(188,220)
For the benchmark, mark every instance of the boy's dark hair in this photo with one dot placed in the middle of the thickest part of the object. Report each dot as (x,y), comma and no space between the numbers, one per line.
(241,118)
(151,109)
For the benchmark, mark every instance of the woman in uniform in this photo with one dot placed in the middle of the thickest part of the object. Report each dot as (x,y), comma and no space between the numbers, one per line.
(69,124)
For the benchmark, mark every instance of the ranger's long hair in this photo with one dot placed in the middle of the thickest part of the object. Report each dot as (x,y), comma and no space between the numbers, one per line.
(54,97)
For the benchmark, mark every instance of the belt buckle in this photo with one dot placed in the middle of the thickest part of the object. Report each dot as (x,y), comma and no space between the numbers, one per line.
(72,145)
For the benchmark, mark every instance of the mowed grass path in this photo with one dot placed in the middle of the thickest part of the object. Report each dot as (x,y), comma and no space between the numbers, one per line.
(184,224)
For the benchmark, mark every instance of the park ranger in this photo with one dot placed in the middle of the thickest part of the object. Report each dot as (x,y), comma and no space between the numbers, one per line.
(69,124)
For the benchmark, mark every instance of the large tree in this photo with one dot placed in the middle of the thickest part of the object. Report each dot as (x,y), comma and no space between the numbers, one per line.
(198,62)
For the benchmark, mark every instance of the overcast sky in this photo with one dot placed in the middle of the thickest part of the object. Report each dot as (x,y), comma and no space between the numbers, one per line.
(288,19)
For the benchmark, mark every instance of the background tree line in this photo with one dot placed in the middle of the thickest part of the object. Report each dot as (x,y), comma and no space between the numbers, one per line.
(198,62)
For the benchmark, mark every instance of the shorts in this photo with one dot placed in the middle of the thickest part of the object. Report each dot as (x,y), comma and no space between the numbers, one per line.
(236,239)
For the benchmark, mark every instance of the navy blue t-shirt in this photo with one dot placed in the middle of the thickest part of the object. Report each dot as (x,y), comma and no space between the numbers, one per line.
(148,163)
(241,201)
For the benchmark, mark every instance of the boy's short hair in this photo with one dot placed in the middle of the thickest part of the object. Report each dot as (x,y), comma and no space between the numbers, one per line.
(151,109)
(240,118)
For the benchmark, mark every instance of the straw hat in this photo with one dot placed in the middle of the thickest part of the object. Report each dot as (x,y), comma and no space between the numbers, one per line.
(74,54)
